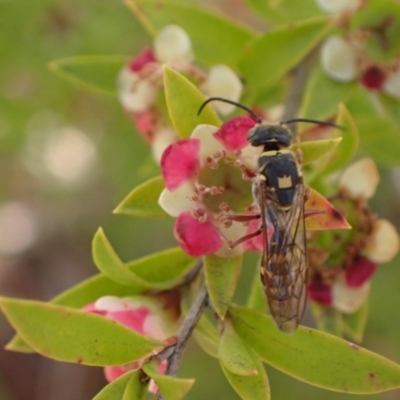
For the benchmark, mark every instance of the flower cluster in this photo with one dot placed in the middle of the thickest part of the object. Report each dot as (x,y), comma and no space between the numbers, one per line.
(344,282)
(141,86)
(207,179)
(143,314)
(347,57)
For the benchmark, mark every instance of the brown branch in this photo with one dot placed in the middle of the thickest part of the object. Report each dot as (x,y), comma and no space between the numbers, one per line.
(174,353)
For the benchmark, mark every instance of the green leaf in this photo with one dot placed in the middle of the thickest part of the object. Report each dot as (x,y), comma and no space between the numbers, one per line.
(136,389)
(71,335)
(215,38)
(269,57)
(380,139)
(323,96)
(160,270)
(257,299)
(170,387)
(108,262)
(314,150)
(354,324)
(221,276)
(143,200)
(316,357)
(234,354)
(284,10)
(184,101)
(207,336)
(349,145)
(116,389)
(253,387)
(96,72)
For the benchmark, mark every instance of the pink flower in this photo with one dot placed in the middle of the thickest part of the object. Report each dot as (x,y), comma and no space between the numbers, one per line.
(207,178)
(374,241)
(143,314)
(140,85)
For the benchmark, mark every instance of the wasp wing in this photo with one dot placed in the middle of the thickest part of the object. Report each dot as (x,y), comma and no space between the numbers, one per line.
(284,260)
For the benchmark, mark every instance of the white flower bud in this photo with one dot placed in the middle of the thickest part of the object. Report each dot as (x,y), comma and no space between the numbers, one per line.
(135,93)
(360,179)
(384,242)
(338,59)
(110,304)
(223,82)
(392,85)
(236,231)
(348,300)
(336,6)
(173,45)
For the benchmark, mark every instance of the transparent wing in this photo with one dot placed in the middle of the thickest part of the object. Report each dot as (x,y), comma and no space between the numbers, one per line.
(284,261)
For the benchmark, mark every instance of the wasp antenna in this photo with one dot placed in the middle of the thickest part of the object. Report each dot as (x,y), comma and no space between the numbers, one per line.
(313,121)
(250,111)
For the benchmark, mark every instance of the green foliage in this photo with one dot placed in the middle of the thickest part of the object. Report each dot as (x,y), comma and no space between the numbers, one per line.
(94,72)
(241,338)
(270,56)
(130,385)
(316,357)
(184,100)
(75,336)
(143,200)
(202,25)
(222,277)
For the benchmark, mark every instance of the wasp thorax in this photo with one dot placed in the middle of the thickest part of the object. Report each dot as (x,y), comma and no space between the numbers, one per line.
(274,137)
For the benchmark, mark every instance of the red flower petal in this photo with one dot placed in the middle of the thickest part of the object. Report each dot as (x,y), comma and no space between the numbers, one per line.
(145,122)
(233,133)
(197,239)
(319,292)
(179,162)
(360,272)
(373,78)
(144,57)
(131,318)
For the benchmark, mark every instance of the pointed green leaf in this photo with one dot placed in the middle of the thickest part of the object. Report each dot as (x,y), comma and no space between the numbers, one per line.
(215,38)
(269,57)
(71,335)
(316,357)
(253,387)
(96,72)
(314,150)
(160,270)
(136,389)
(116,389)
(349,145)
(234,354)
(209,346)
(285,10)
(184,101)
(323,96)
(108,262)
(143,200)
(221,276)
(354,324)
(170,387)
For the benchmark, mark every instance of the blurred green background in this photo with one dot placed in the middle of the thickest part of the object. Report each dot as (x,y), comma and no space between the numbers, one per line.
(68,156)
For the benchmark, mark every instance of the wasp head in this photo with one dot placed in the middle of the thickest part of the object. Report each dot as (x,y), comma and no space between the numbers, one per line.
(272,137)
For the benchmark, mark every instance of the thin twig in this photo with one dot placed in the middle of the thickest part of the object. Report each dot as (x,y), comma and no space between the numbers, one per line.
(296,89)
(174,353)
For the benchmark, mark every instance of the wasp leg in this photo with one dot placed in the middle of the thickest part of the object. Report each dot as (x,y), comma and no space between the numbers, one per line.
(244,238)
(242,217)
